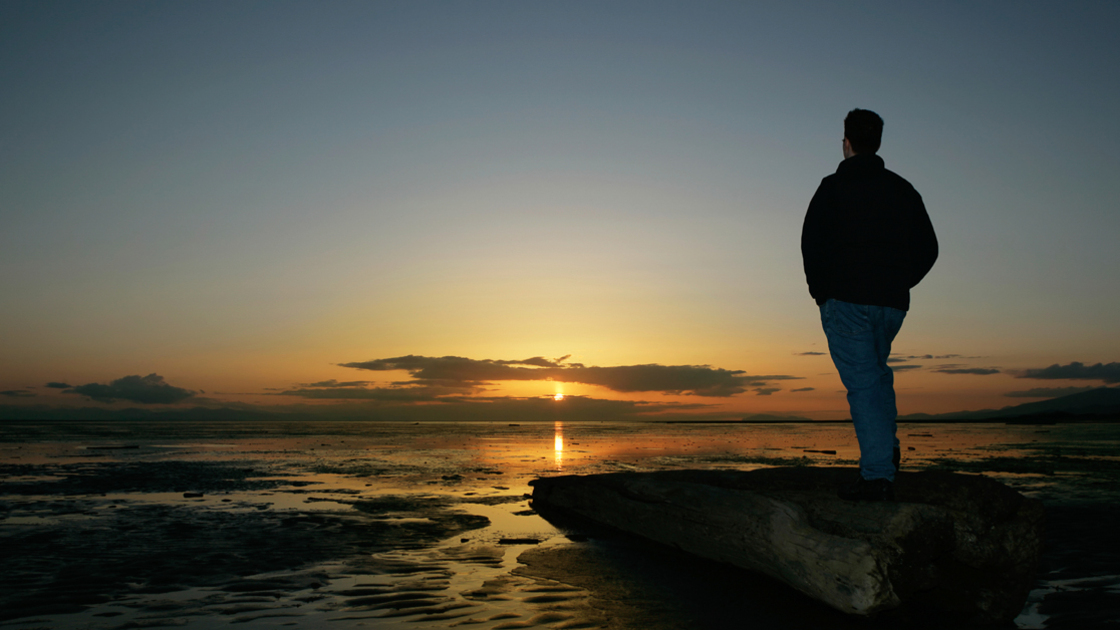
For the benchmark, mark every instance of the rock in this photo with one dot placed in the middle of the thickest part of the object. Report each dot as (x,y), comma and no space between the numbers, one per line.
(963,547)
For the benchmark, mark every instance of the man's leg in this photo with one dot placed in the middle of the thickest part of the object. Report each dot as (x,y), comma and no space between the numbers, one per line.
(859,340)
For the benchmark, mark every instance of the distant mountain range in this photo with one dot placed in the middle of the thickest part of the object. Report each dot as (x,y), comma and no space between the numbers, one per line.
(1095,404)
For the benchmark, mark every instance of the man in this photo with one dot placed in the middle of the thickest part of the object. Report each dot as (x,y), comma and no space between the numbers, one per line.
(866,241)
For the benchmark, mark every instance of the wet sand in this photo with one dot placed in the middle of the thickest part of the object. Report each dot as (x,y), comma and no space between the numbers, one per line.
(130,525)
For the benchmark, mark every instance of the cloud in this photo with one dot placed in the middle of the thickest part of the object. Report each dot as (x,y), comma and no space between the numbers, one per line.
(458,369)
(811,354)
(1109,373)
(147,390)
(898,358)
(898,368)
(57,385)
(698,380)
(541,362)
(334,383)
(17,393)
(1048,392)
(398,394)
(674,379)
(803,389)
(956,370)
(766,391)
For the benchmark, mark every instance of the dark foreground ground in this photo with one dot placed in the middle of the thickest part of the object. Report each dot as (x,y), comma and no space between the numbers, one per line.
(117,527)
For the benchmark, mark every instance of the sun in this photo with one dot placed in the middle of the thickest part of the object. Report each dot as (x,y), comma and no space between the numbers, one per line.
(558,396)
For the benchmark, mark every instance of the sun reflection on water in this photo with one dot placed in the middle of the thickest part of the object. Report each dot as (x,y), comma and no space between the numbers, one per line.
(558,445)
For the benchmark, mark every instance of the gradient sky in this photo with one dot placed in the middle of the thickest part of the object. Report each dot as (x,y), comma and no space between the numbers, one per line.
(242,197)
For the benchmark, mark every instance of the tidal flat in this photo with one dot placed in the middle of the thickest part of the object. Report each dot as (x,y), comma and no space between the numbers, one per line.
(377,525)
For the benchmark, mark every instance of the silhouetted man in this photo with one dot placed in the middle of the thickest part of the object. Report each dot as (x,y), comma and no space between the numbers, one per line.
(866,241)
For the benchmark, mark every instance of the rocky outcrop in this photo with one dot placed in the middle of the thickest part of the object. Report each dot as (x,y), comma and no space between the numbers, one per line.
(963,546)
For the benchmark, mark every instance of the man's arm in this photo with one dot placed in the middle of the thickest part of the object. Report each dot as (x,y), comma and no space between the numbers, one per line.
(814,249)
(923,242)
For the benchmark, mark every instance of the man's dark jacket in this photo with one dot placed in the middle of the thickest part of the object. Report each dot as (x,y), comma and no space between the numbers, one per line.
(867,238)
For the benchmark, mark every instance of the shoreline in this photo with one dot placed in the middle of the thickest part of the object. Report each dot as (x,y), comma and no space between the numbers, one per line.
(345,522)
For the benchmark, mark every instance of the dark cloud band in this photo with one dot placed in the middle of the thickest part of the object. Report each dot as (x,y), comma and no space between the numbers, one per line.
(147,390)
(697,380)
(389,394)
(1048,392)
(333,383)
(1107,372)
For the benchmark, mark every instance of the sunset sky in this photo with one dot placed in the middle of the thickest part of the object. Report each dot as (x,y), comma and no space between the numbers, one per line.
(315,206)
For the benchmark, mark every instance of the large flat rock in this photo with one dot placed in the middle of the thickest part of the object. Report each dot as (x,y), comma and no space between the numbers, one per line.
(963,546)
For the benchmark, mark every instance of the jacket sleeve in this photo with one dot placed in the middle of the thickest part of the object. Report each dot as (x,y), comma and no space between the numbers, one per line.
(814,247)
(923,242)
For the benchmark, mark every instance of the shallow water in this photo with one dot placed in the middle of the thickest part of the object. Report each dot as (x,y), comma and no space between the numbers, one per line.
(198,525)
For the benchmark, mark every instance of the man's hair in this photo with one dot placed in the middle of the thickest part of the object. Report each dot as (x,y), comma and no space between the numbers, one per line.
(864,130)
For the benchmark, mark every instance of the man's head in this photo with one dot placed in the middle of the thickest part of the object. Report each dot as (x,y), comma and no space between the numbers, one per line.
(863,129)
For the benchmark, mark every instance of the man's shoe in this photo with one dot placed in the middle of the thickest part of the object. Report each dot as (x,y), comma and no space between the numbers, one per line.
(864,490)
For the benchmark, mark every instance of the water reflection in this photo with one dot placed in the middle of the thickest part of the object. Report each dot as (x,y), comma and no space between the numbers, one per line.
(558,445)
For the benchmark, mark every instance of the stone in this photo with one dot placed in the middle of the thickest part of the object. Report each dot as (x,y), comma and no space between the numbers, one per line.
(963,547)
